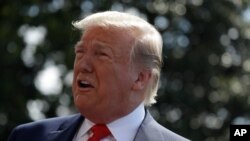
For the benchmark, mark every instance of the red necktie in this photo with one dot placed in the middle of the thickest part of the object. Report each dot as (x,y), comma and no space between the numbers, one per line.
(99,131)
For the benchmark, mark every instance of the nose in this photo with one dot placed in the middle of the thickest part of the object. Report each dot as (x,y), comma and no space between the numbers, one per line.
(85,64)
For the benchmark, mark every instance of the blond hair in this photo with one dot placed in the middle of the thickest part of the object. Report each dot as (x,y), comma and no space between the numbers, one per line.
(147,46)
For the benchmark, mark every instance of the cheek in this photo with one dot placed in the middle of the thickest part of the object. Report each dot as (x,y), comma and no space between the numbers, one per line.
(76,68)
(74,77)
(108,81)
(74,83)
(117,82)
(75,65)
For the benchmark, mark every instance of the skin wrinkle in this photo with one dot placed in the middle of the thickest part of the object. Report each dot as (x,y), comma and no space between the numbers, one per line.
(122,77)
(146,40)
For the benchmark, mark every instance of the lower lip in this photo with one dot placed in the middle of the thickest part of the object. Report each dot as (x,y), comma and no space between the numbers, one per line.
(84,89)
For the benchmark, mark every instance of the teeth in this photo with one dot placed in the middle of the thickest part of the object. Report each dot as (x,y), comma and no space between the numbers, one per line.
(84,82)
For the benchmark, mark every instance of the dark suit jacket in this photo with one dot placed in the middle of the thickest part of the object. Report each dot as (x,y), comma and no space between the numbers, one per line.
(65,128)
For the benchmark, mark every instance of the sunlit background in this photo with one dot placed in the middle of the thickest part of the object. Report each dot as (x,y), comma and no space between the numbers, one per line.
(205,80)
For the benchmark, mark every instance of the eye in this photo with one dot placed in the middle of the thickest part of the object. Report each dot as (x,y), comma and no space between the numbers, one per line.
(101,53)
(79,53)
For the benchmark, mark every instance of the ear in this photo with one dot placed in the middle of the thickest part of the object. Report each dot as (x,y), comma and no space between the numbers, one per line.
(142,80)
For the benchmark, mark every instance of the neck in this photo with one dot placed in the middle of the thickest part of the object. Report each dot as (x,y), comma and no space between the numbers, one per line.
(110,115)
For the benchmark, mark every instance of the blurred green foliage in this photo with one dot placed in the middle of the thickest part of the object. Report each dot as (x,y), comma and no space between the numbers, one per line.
(205,78)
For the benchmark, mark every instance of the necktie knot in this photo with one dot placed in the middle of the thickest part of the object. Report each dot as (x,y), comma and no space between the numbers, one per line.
(99,131)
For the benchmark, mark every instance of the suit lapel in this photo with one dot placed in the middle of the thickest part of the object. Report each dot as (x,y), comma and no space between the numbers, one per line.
(141,133)
(148,130)
(66,130)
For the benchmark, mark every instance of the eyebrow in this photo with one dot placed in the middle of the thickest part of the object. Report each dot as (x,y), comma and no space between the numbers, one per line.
(94,42)
(78,44)
(101,45)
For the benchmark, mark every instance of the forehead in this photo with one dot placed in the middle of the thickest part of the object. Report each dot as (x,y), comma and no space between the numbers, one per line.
(109,36)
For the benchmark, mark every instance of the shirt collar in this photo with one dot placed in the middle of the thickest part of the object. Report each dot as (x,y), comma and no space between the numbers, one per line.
(123,129)
(85,127)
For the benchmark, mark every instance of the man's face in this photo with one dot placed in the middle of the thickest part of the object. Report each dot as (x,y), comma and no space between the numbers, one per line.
(103,76)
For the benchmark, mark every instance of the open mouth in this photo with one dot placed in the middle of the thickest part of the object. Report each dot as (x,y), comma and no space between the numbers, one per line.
(84,84)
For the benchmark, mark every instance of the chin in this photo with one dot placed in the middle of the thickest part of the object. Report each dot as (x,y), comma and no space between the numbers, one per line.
(80,102)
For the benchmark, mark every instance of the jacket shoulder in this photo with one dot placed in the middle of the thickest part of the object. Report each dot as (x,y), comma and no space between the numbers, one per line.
(50,123)
(152,130)
(167,134)
(39,129)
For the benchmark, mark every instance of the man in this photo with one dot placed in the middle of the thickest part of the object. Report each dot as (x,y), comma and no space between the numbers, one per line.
(116,73)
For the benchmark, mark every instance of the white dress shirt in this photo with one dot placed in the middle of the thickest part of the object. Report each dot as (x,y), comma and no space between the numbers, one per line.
(122,129)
